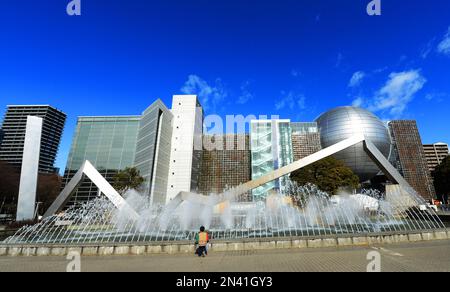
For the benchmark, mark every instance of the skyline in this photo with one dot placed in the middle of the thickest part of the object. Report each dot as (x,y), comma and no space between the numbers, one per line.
(271,59)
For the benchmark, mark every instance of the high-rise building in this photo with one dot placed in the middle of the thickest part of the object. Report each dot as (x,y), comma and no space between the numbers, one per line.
(14,126)
(305,139)
(153,151)
(2,134)
(435,154)
(109,143)
(410,157)
(271,148)
(186,150)
(159,143)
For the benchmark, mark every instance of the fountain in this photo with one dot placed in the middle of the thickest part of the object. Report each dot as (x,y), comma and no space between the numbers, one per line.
(302,211)
(305,212)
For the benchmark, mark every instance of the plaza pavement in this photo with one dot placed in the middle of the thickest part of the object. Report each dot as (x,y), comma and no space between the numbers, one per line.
(423,256)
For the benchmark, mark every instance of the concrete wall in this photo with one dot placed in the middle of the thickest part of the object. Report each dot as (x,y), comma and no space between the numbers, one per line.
(187,125)
(223,246)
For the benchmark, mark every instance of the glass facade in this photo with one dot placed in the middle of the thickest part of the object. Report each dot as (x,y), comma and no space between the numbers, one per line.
(271,148)
(305,128)
(153,151)
(109,143)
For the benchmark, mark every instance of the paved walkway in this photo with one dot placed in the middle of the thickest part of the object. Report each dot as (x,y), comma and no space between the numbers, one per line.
(424,256)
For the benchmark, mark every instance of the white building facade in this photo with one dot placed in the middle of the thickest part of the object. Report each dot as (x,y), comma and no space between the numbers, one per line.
(185,158)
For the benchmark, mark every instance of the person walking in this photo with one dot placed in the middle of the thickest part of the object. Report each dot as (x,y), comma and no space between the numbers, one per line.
(201,242)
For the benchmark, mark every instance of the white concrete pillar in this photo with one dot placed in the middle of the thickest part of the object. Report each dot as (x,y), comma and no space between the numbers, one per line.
(30,169)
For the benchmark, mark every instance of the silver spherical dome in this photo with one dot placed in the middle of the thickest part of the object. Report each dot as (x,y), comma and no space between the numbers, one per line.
(344,122)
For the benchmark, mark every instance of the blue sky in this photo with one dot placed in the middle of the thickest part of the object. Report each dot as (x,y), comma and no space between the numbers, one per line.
(291,58)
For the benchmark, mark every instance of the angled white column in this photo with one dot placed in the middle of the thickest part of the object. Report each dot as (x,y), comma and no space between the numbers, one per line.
(30,169)
(87,169)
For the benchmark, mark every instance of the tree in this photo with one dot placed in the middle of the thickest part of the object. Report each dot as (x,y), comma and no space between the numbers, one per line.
(128,179)
(9,187)
(49,187)
(441,176)
(328,175)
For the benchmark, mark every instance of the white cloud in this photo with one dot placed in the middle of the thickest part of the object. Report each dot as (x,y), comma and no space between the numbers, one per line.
(397,93)
(444,46)
(291,100)
(210,96)
(246,95)
(358,102)
(356,79)
(426,51)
